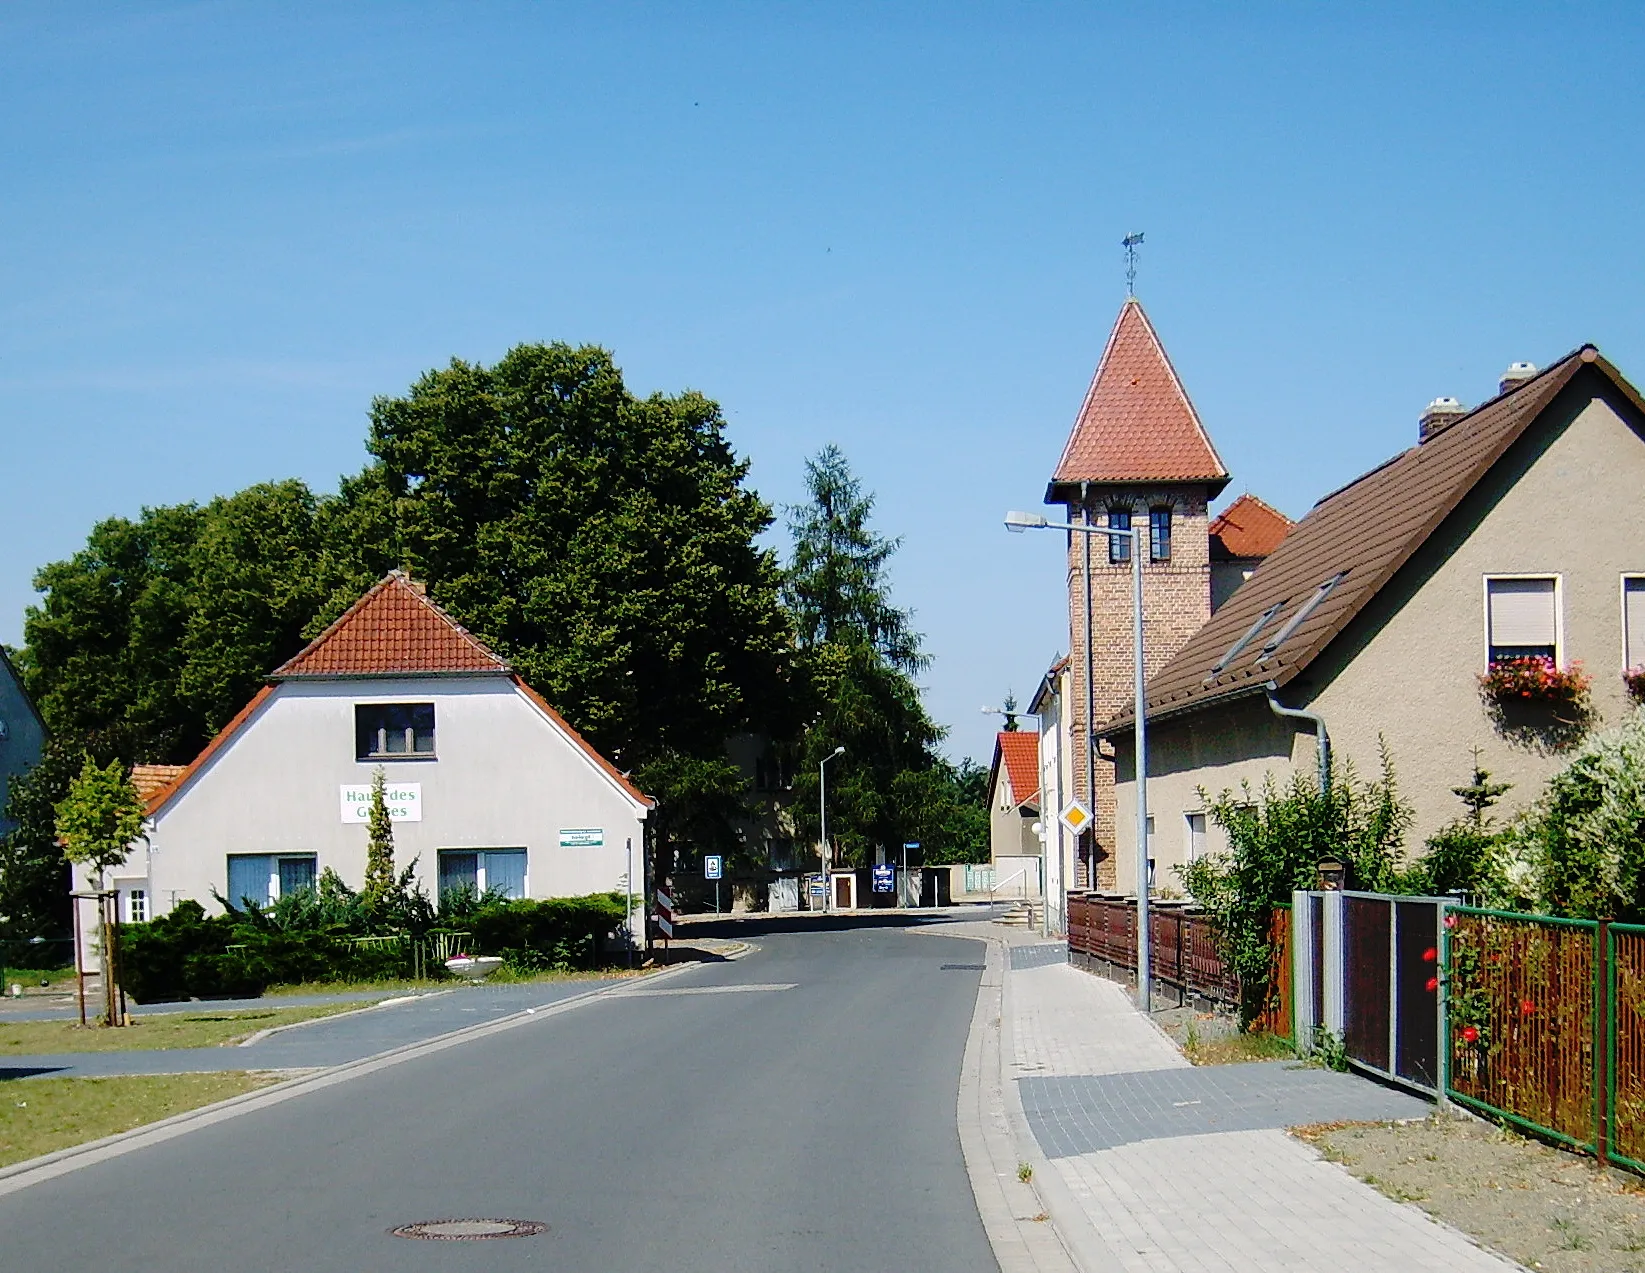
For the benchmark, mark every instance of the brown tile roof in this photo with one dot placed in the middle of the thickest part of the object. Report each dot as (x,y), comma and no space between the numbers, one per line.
(1365,531)
(1136,423)
(393,630)
(1247,528)
(1020,751)
(150,780)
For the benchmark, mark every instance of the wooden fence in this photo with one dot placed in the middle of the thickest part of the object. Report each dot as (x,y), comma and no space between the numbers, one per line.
(1187,963)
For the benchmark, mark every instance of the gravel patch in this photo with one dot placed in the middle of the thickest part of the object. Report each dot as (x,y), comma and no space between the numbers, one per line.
(1547,1209)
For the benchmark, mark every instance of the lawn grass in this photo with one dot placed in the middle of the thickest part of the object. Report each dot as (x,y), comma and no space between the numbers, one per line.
(1234,1049)
(37,978)
(40,1115)
(502,977)
(161,1031)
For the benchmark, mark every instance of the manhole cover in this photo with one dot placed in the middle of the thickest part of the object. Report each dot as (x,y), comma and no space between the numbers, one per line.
(468,1230)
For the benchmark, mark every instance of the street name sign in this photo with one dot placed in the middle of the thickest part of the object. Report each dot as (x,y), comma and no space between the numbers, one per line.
(582,837)
(1075,816)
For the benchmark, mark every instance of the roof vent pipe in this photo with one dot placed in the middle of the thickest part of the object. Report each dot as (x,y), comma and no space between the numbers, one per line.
(1439,413)
(1322,740)
(1517,374)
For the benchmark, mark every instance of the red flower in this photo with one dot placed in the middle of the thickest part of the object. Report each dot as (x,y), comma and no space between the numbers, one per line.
(1450,921)
(1429,955)
(1433,984)
(1470,1034)
(1526,1007)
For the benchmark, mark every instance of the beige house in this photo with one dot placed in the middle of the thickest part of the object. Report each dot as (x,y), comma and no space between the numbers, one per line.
(1510,531)
(1014,795)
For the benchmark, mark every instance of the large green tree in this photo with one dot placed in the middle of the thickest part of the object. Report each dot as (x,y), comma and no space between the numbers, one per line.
(858,653)
(155,633)
(604,542)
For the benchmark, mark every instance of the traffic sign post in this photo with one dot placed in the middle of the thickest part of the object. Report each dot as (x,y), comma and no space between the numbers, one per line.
(713,869)
(665,919)
(1075,816)
(911,844)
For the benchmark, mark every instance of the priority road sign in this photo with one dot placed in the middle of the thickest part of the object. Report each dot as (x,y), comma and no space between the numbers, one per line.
(713,866)
(1075,816)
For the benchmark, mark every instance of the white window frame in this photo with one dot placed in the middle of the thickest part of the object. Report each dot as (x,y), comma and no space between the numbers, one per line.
(1188,854)
(1559,609)
(132,898)
(1622,604)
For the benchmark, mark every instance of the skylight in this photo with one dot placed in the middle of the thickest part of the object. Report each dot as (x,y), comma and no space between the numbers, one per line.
(1238,647)
(1303,611)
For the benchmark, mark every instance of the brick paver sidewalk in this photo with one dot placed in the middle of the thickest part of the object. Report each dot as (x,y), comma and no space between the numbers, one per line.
(1132,1136)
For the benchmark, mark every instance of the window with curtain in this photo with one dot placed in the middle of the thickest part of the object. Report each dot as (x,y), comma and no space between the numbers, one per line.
(483,870)
(1118,549)
(1522,619)
(263,878)
(1159,534)
(393,730)
(1633,620)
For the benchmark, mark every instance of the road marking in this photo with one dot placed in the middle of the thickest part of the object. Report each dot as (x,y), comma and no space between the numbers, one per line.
(706,990)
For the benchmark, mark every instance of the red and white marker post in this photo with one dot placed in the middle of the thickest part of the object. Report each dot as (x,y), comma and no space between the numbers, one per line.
(665,919)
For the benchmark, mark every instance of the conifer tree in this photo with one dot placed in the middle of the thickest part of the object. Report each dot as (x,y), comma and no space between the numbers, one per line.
(379,847)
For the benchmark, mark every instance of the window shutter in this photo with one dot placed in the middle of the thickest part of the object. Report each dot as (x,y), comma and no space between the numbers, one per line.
(1633,601)
(1522,612)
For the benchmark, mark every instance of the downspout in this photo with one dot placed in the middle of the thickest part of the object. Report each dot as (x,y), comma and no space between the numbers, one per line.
(1090,695)
(1322,740)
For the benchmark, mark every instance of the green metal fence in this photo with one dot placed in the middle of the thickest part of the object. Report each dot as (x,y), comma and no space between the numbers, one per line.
(1545,1027)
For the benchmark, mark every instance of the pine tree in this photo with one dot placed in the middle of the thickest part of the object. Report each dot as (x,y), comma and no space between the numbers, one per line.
(379,848)
(836,587)
(1480,793)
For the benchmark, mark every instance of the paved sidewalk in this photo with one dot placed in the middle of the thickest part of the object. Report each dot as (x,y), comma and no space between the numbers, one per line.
(1160,1167)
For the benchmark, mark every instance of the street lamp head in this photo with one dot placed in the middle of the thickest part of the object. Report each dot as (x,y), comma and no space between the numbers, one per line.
(1017,522)
(839,751)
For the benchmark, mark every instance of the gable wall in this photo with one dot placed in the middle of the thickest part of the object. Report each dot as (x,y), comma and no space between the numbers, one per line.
(25,736)
(504,778)
(1567,501)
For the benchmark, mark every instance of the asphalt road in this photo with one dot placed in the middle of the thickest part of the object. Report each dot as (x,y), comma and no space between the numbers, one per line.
(759,1130)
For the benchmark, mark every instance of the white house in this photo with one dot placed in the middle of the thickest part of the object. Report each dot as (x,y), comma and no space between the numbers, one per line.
(487,785)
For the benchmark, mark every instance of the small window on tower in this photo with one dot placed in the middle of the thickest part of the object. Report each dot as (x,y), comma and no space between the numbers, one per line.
(1159,534)
(1119,549)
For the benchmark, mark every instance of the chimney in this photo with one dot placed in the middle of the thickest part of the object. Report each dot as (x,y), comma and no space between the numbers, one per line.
(1440,412)
(1517,374)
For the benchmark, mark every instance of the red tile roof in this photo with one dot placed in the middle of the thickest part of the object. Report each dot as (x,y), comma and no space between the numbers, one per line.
(1136,423)
(1247,528)
(150,780)
(393,630)
(1020,751)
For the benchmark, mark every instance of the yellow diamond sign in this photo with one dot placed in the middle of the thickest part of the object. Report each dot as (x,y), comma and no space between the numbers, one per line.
(1075,816)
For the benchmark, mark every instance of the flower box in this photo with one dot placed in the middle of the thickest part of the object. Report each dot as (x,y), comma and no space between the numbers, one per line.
(1536,680)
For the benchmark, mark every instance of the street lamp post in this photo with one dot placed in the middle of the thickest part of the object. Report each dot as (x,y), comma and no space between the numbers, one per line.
(822,813)
(1017,523)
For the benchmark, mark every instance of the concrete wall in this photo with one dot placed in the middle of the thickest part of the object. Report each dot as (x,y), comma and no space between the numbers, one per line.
(505,777)
(1226,577)
(1565,501)
(25,735)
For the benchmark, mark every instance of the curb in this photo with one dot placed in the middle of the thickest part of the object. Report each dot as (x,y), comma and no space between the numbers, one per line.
(1007,1204)
(60,1162)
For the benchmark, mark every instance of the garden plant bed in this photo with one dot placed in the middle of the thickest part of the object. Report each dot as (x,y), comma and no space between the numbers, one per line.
(161,1031)
(1541,1206)
(40,1115)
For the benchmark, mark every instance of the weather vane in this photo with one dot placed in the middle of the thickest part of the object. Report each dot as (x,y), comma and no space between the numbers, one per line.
(1131,243)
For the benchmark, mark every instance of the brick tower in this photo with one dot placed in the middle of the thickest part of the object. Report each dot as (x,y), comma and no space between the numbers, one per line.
(1137,456)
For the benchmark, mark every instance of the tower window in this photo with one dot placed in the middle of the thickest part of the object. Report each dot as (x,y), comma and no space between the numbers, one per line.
(1119,549)
(1159,534)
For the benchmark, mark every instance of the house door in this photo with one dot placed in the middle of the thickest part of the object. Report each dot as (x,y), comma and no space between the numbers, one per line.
(845,892)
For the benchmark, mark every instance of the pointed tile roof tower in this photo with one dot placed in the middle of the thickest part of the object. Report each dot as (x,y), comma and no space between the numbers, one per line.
(394,630)
(1137,423)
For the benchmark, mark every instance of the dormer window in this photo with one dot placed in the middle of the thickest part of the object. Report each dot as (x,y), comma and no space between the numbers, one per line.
(393,731)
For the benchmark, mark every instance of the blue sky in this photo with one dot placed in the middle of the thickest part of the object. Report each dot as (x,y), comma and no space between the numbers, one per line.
(225,226)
